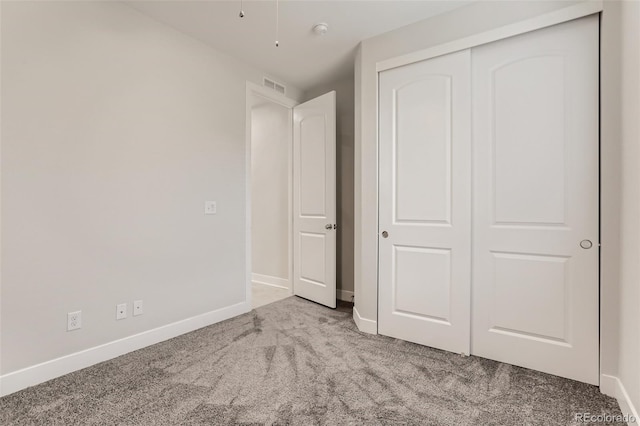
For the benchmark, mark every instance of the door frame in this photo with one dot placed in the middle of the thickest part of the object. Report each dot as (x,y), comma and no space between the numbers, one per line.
(560,16)
(254,91)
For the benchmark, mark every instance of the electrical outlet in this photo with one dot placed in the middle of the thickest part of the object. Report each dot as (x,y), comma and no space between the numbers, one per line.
(137,308)
(74,320)
(121,311)
(210,207)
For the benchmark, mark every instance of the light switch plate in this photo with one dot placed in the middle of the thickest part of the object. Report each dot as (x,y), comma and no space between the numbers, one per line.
(210,207)
(137,308)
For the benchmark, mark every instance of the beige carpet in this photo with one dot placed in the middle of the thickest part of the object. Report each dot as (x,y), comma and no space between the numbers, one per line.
(295,362)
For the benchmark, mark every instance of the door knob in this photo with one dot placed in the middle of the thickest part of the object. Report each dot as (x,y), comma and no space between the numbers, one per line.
(328,226)
(586,244)
(385,234)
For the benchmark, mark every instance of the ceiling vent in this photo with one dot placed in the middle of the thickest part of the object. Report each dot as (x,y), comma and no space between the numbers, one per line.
(273,85)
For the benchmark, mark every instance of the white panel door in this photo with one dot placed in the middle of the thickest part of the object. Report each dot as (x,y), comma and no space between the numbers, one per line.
(535,160)
(425,207)
(314,200)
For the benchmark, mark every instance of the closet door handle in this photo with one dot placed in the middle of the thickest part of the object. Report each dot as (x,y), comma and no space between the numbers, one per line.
(586,244)
(385,234)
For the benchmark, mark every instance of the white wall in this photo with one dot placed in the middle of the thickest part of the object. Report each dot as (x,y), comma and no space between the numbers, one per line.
(629,372)
(115,130)
(611,164)
(621,101)
(270,173)
(344,180)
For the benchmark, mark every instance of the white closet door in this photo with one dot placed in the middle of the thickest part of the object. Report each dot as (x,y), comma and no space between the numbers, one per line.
(535,159)
(425,203)
(314,200)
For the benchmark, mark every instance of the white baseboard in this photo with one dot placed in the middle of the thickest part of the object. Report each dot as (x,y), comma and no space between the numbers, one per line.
(269,280)
(609,385)
(30,376)
(345,295)
(613,387)
(363,324)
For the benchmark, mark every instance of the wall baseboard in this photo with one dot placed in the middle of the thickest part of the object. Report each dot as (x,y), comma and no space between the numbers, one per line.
(270,280)
(363,324)
(613,387)
(345,295)
(30,376)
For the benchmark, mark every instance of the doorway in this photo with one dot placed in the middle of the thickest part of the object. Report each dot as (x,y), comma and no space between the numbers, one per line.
(269,118)
(291,197)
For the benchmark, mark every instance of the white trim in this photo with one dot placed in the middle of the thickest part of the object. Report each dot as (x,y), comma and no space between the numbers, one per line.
(363,324)
(270,280)
(608,385)
(30,376)
(290,200)
(613,387)
(553,18)
(345,295)
(255,90)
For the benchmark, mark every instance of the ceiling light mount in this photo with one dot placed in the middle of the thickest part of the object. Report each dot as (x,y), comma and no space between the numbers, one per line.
(321,28)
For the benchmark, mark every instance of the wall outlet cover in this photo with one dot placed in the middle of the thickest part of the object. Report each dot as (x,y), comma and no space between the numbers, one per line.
(210,207)
(121,311)
(74,320)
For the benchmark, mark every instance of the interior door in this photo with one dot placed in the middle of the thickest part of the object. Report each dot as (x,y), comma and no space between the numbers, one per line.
(314,200)
(425,207)
(535,138)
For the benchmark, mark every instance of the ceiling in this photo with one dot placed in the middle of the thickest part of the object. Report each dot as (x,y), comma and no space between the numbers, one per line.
(303,59)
